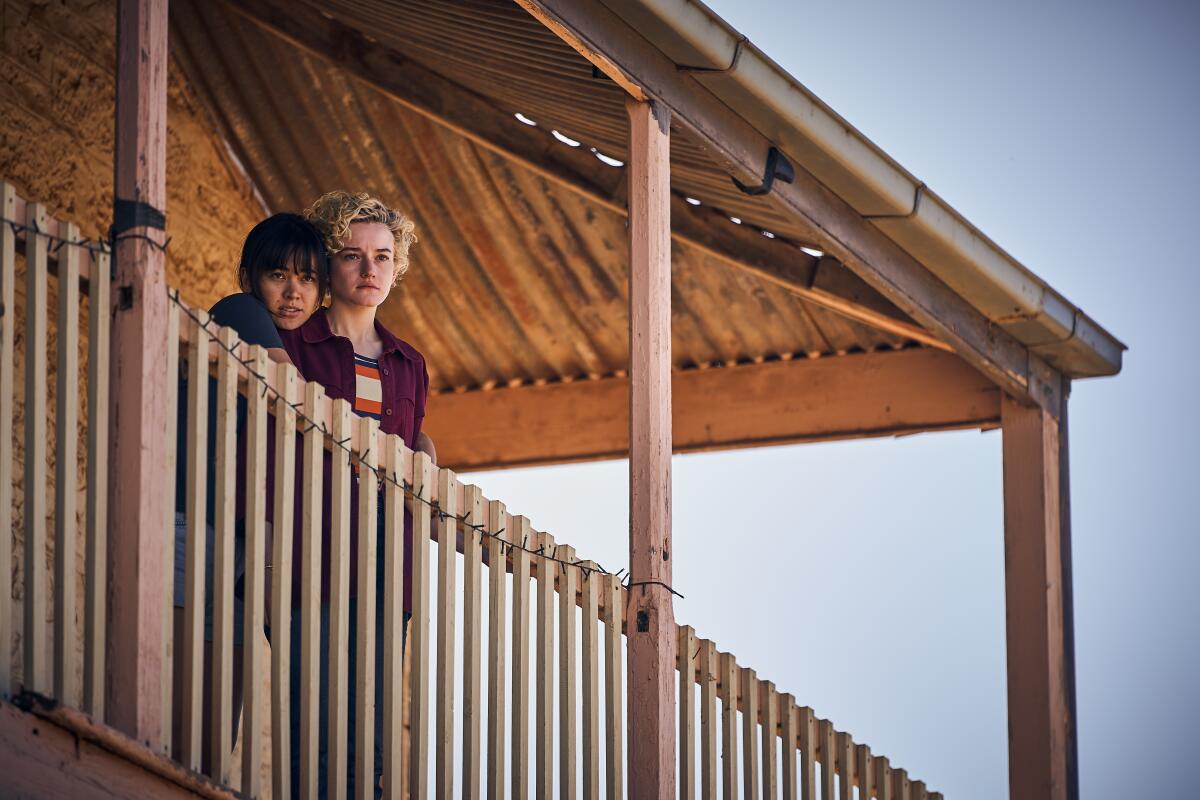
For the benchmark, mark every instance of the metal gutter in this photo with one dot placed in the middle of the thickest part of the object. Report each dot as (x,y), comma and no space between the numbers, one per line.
(874,184)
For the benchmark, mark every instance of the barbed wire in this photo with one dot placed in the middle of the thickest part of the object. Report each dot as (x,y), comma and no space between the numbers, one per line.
(383,476)
(105,247)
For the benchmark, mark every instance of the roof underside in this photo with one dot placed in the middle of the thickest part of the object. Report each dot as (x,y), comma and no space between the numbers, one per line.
(516,279)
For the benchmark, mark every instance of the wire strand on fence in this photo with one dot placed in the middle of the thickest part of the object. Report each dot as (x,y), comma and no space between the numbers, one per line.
(101,246)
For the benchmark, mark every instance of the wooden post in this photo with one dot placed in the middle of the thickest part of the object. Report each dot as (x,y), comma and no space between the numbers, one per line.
(1037,599)
(650,620)
(138,379)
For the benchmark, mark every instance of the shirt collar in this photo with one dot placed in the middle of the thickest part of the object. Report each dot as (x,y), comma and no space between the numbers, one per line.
(317,330)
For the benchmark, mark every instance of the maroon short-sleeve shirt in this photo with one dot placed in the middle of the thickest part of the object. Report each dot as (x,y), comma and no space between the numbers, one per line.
(324,357)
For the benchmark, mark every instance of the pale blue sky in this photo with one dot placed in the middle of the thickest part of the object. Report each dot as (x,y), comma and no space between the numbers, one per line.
(867,577)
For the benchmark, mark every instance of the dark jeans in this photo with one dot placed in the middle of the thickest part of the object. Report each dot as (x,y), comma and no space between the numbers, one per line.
(323,689)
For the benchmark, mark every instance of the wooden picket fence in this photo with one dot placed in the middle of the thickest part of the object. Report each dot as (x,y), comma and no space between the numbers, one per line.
(500,666)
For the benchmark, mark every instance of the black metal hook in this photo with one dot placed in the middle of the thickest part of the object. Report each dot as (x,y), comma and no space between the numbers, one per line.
(777,167)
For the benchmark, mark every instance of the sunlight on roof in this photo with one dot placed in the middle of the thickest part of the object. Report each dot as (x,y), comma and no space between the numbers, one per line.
(612,162)
(813,252)
(522,118)
(692,201)
(567,140)
(735,220)
(768,234)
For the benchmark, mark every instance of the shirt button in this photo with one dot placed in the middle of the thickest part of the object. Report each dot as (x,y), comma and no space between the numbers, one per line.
(388,412)
(385,372)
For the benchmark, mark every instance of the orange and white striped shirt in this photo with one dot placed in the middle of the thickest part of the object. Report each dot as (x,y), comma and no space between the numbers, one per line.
(368,391)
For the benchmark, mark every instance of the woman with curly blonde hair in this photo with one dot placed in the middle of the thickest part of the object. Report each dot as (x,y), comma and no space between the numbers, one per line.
(348,350)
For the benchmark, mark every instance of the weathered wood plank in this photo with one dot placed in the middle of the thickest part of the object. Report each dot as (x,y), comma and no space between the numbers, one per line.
(393,615)
(66,442)
(174,345)
(864,771)
(418,762)
(1037,592)
(191,734)
(520,661)
(770,730)
(838,397)
(650,625)
(138,380)
(614,762)
(96,559)
(447,528)
(497,614)
(729,706)
(790,716)
(590,652)
(568,675)
(310,587)
(8,277)
(750,731)
(827,737)
(686,656)
(709,677)
(283,519)
(253,592)
(883,778)
(338,686)
(34,640)
(365,644)
(472,641)
(544,672)
(808,753)
(220,740)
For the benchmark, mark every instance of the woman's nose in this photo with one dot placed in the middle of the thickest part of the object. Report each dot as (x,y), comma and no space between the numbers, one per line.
(291,288)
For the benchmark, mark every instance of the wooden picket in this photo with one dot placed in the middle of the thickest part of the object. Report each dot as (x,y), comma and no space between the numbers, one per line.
(95,619)
(66,438)
(167,674)
(282,517)
(790,717)
(310,589)
(708,719)
(365,644)
(567,674)
(770,727)
(590,653)
(750,707)
(447,529)
(393,614)
(255,574)
(35,453)
(614,697)
(221,707)
(338,653)
(543,673)
(472,550)
(8,277)
(497,618)
(520,661)
(686,652)
(191,734)
(418,640)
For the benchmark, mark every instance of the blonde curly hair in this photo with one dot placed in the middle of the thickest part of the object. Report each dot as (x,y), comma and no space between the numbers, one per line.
(334,212)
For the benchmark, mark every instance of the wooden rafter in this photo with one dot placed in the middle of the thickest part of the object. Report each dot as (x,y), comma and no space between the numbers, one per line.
(853,396)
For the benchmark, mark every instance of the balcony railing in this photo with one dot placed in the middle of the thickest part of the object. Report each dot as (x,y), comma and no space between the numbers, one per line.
(514,682)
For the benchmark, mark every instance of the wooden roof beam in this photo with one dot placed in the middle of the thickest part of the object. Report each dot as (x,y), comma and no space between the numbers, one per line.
(473,117)
(624,54)
(886,393)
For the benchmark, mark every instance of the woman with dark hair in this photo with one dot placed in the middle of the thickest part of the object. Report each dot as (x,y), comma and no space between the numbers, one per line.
(284,276)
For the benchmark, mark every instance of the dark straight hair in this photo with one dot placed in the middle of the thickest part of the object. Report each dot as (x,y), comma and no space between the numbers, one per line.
(284,241)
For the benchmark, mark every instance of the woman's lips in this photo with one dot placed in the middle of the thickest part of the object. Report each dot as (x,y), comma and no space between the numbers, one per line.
(289,312)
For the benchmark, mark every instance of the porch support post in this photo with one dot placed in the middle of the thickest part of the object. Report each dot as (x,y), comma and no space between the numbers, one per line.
(138,519)
(650,620)
(1037,549)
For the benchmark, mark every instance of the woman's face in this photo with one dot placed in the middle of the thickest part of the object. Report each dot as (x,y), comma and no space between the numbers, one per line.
(290,297)
(361,273)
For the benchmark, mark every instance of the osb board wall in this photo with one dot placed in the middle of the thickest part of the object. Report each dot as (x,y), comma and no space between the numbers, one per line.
(56,136)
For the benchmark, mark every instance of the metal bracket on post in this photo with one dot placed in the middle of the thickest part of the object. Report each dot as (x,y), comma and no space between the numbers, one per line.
(777,167)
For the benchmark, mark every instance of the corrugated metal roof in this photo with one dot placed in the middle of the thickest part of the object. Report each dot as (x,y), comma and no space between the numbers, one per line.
(514,279)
